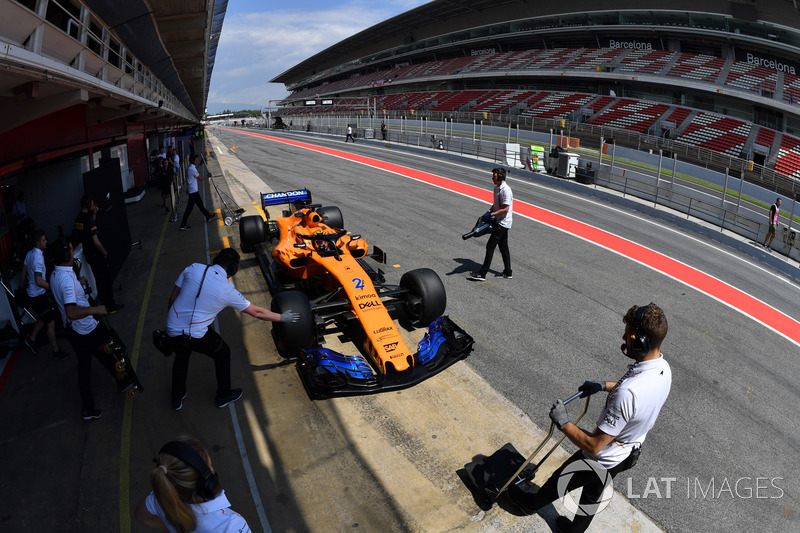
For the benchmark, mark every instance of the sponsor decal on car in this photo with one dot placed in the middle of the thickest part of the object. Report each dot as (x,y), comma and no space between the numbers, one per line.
(392,346)
(381,330)
(367,305)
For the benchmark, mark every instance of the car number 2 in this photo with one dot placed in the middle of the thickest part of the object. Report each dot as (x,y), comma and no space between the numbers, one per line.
(358,282)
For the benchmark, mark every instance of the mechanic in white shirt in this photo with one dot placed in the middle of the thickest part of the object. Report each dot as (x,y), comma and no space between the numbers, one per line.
(86,335)
(187,495)
(200,293)
(192,175)
(501,213)
(632,407)
(36,286)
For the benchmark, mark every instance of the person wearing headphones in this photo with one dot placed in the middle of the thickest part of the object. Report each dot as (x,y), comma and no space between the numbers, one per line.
(85,232)
(36,287)
(199,294)
(501,214)
(192,175)
(632,407)
(187,495)
(86,335)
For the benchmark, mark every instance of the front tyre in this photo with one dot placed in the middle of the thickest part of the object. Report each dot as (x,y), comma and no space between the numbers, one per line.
(426,298)
(291,337)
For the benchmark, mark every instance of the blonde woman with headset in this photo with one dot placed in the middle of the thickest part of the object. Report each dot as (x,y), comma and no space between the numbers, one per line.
(187,496)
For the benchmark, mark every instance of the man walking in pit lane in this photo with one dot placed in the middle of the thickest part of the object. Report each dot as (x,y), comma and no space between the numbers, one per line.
(199,294)
(349,134)
(632,407)
(501,214)
(774,213)
(192,175)
(87,336)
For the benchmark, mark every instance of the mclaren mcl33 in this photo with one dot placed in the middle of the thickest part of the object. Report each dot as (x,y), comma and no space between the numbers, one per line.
(314,267)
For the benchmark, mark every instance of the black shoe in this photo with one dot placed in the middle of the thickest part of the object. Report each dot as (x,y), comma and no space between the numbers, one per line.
(177,403)
(185,228)
(114,308)
(476,276)
(60,354)
(232,396)
(89,414)
(30,344)
(211,217)
(505,276)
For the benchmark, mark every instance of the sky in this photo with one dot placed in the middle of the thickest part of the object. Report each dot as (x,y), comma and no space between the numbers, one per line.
(262,39)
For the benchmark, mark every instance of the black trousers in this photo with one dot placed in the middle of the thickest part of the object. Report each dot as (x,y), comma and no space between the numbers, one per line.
(592,491)
(85,347)
(499,237)
(194,198)
(102,276)
(212,345)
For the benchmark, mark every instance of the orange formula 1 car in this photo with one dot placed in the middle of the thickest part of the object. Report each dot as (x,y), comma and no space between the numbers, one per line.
(314,267)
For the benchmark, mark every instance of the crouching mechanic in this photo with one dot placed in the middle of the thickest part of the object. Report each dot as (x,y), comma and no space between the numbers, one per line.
(200,293)
(86,335)
(632,406)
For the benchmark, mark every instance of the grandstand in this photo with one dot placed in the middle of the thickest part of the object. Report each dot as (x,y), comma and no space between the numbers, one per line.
(719,77)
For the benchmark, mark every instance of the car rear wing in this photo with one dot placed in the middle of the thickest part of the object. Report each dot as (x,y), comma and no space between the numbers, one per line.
(298,197)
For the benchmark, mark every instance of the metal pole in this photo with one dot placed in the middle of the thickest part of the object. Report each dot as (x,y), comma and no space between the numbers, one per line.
(674,168)
(550,145)
(473,130)
(658,175)
(725,187)
(481,134)
(508,133)
(613,153)
(517,132)
(741,186)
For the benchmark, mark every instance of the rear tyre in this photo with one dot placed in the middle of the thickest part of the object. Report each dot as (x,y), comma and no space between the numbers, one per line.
(252,231)
(291,337)
(426,298)
(332,216)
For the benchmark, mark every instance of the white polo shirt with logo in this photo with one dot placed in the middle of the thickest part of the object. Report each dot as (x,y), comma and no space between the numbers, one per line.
(34,262)
(632,409)
(67,290)
(191,313)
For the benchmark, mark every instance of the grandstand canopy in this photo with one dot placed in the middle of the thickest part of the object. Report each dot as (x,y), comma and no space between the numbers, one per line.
(405,34)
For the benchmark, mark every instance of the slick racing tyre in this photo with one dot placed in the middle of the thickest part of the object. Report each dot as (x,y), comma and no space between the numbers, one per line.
(332,216)
(252,231)
(426,299)
(291,337)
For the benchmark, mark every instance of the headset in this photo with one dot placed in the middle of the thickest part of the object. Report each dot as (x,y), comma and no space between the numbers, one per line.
(208,484)
(499,173)
(61,251)
(640,342)
(230,256)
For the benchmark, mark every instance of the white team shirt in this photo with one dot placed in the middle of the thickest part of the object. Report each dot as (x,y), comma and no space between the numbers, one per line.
(213,516)
(632,409)
(503,196)
(67,290)
(34,262)
(191,179)
(192,314)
